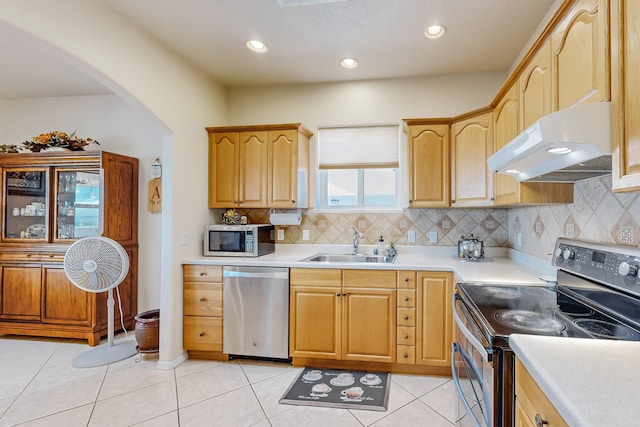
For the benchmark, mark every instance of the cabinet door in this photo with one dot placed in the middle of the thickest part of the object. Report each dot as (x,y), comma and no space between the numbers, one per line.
(471,145)
(77,209)
(65,303)
(533,403)
(369,328)
(506,119)
(315,322)
(434,319)
(581,61)
(283,168)
(20,293)
(428,165)
(224,161)
(625,92)
(535,87)
(25,205)
(253,169)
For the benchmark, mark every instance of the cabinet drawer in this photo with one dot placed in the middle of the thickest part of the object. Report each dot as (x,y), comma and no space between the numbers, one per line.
(202,273)
(406,354)
(202,333)
(406,335)
(315,277)
(406,298)
(202,299)
(407,279)
(406,317)
(370,279)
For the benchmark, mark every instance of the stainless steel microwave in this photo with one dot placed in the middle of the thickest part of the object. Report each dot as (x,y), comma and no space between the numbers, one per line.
(249,240)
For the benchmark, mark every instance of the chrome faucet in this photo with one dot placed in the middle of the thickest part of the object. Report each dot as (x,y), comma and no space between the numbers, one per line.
(356,238)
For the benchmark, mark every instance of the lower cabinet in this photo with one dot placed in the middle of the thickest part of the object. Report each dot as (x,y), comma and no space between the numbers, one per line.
(434,318)
(533,408)
(343,314)
(202,310)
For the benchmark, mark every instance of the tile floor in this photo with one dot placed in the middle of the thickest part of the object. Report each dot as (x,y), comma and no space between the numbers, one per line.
(38,387)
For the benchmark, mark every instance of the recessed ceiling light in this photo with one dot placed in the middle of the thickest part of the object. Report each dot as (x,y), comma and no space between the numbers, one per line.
(434,31)
(349,63)
(559,150)
(257,46)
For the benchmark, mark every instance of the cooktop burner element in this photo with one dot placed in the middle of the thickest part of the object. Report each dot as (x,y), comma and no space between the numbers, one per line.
(603,329)
(540,323)
(502,292)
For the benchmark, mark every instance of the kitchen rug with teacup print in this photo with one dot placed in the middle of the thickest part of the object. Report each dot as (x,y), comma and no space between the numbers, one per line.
(339,389)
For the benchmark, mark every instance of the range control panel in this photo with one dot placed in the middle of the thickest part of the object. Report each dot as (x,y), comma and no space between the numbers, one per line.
(617,266)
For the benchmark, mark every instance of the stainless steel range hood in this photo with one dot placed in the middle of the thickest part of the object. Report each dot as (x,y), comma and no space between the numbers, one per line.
(582,136)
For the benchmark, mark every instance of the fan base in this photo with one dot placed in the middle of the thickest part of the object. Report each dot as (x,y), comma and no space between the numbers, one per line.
(104,354)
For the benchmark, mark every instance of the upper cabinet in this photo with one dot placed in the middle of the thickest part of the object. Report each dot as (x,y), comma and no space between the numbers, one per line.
(625,94)
(534,85)
(258,166)
(580,54)
(428,141)
(506,126)
(471,140)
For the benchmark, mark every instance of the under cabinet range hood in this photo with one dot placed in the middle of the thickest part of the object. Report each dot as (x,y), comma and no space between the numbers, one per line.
(566,146)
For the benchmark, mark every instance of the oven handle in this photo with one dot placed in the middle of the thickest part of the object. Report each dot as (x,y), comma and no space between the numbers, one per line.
(487,354)
(455,348)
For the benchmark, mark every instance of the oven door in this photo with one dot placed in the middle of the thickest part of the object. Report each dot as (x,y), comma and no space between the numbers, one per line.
(472,371)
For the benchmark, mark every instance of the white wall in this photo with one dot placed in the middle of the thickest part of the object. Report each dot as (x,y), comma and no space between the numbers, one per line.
(120,129)
(146,76)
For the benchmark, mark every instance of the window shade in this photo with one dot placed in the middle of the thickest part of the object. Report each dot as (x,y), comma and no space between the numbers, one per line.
(358,147)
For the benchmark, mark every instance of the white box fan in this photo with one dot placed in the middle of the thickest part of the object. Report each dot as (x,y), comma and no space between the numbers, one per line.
(98,264)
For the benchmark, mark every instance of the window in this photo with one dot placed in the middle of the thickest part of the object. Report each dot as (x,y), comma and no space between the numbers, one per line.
(358,167)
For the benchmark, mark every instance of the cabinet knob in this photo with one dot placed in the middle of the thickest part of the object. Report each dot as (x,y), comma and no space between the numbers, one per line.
(293,201)
(406,299)
(406,317)
(410,201)
(338,294)
(453,201)
(203,273)
(344,295)
(406,279)
(406,336)
(203,299)
(539,421)
(406,355)
(201,334)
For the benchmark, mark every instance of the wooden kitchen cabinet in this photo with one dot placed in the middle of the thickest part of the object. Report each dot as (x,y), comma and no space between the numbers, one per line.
(581,55)
(471,142)
(406,318)
(535,86)
(343,315)
(434,322)
(48,201)
(625,94)
(202,309)
(428,147)
(258,166)
(533,407)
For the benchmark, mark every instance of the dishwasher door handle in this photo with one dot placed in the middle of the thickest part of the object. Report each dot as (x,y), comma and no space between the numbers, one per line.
(263,275)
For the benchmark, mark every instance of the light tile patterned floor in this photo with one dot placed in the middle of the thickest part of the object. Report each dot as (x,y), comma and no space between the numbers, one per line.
(38,387)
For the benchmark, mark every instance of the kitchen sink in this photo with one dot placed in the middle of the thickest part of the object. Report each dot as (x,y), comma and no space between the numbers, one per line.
(350,258)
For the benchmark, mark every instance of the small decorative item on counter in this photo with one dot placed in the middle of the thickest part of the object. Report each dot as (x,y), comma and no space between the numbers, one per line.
(231,217)
(8,148)
(470,247)
(58,139)
(391,250)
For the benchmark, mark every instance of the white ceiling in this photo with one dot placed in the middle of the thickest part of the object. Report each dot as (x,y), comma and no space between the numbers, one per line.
(306,42)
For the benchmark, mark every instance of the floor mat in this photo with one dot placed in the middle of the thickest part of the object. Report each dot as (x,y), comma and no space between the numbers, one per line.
(339,389)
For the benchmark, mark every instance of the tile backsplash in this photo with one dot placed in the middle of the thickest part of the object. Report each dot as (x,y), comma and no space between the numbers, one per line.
(596,214)
(448,225)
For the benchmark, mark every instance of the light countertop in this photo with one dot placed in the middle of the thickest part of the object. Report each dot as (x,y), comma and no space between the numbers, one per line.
(591,382)
(498,268)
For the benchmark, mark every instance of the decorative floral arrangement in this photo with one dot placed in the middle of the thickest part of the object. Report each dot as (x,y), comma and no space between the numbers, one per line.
(58,139)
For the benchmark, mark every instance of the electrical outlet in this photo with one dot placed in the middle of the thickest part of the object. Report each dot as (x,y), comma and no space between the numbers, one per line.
(518,239)
(184,238)
(305,234)
(433,237)
(280,234)
(411,236)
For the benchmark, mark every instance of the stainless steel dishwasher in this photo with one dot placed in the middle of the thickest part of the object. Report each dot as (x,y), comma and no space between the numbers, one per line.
(256,311)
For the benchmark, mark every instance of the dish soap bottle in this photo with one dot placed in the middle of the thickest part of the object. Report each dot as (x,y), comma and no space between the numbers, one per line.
(380,247)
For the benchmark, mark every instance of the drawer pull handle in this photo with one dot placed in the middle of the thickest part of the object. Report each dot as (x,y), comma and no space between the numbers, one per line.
(406,336)
(344,295)
(203,299)
(338,294)
(406,279)
(539,421)
(406,298)
(203,273)
(406,355)
(201,334)
(406,317)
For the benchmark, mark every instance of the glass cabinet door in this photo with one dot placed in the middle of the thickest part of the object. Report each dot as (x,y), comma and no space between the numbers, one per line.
(26,212)
(78,204)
